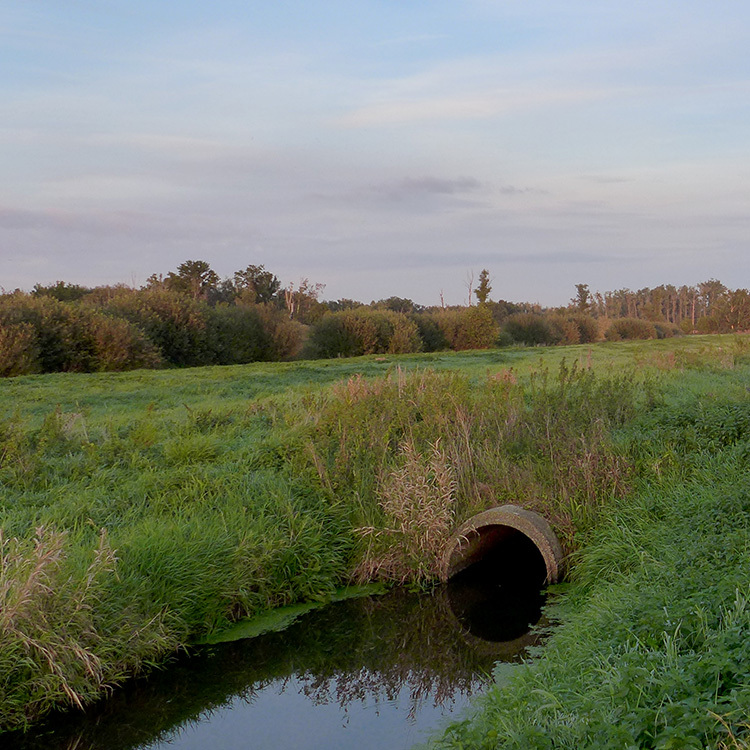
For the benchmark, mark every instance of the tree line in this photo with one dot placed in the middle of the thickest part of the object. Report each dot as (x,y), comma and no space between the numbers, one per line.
(193,317)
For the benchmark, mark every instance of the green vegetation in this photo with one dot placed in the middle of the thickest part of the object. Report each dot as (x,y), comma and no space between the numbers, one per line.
(652,649)
(192,318)
(145,510)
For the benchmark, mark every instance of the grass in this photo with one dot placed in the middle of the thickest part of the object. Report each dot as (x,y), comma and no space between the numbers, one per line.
(652,648)
(143,511)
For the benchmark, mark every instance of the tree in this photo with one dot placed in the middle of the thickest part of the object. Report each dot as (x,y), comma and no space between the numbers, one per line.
(469,284)
(397,304)
(710,292)
(256,285)
(194,278)
(302,301)
(343,304)
(581,300)
(482,292)
(731,311)
(61,291)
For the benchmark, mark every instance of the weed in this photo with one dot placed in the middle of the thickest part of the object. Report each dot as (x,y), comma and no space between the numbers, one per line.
(225,491)
(417,500)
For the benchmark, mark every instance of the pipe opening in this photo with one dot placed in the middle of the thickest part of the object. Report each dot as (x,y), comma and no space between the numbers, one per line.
(500,553)
(496,566)
(509,540)
(498,597)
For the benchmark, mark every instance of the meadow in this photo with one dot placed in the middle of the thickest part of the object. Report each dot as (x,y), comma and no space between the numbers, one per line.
(143,511)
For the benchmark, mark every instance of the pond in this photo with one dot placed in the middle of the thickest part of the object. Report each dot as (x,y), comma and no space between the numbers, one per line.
(372,672)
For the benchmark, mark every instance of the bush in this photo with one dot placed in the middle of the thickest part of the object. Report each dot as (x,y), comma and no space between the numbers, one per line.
(120,345)
(351,333)
(236,335)
(430,333)
(564,330)
(18,353)
(468,327)
(176,324)
(530,329)
(588,328)
(667,330)
(504,339)
(286,336)
(630,328)
(42,334)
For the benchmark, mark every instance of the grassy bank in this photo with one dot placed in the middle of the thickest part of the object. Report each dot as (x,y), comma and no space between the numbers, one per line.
(144,510)
(652,648)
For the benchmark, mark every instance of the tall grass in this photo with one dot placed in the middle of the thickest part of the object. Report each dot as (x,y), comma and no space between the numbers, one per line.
(652,649)
(413,454)
(227,491)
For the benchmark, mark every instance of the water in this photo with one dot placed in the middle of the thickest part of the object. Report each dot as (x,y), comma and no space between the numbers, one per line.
(376,672)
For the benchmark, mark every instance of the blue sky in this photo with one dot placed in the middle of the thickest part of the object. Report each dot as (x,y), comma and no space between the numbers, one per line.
(379,147)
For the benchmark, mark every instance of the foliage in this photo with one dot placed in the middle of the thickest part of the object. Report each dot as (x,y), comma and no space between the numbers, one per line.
(563,330)
(531,329)
(194,278)
(666,330)
(236,335)
(396,304)
(432,337)
(302,301)
(484,288)
(630,328)
(174,322)
(581,301)
(364,331)
(588,329)
(18,352)
(41,334)
(651,651)
(256,285)
(61,291)
(286,336)
(468,328)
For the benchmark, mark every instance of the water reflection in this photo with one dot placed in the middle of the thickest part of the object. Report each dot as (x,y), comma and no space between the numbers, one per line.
(362,673)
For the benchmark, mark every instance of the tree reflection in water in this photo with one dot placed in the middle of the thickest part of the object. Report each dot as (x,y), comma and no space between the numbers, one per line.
(354,653)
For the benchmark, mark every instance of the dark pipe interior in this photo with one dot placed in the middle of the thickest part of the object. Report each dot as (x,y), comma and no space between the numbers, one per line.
(498,596)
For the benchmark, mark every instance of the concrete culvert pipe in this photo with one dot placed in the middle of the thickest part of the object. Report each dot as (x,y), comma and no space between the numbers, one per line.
(508,542)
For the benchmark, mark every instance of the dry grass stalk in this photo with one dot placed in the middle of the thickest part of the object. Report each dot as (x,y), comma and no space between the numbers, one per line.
(732,742)
(47,615)
(418,502)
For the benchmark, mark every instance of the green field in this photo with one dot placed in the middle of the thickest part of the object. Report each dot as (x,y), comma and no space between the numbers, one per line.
(145,510)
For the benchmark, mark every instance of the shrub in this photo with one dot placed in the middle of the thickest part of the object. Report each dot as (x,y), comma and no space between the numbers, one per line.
(236,335)
(430,332)
(405,337)
(42,334)
(330,338)
(529,328)
(588,328)
(350,333)
(630,328)
(119,345)
(667,330)
(58,331)
(468,327)
(286,336)
(564,330)
(18,353)
(504,339)
(176,324)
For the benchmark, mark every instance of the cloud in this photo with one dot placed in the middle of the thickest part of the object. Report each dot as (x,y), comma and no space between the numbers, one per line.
(428,186)
(498,102)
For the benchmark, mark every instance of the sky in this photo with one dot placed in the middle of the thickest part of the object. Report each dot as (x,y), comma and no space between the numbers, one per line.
(380,147)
